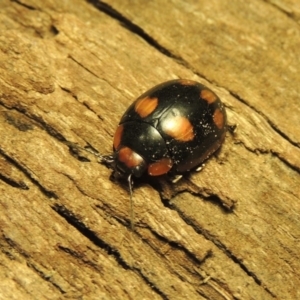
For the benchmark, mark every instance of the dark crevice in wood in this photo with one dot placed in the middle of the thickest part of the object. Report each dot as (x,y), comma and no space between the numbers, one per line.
(24,5)
(95,266)
(54,30)
(47,193)
(82,103)
(82,66)
(18,123)
(282,134)
(20,185)
(75,151)
(46,277)
(79,256)
(168,191)
(290,15)
(176,246)
(276,154)
(22,126)
(202,294)
(69,251)
(215,199)
(103,245)
(89,108)
(223,290)
(43,125)
(39,122)
(152,286)
(89,234)
(54,133)
(189,254)
(283,159)
(273,126)
(126,222)
(248,272)
(137,30)
(126,23)
(228,253)
(14,248)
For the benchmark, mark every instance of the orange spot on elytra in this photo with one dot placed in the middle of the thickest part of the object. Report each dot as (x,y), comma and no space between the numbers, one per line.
(129,157)
(208,96)
(145,106)
(179,128)
(118,136)
(187,82)
(160,167)
(218,118)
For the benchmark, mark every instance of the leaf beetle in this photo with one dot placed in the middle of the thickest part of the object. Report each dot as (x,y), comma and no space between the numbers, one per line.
(173,127)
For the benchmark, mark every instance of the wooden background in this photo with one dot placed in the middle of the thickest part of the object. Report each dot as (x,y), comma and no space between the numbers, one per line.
(68,70)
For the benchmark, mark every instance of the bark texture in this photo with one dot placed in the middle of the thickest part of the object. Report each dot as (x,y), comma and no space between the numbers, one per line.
(68,70)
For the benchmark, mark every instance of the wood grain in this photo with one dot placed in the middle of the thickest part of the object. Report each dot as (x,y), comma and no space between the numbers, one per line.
(68,70)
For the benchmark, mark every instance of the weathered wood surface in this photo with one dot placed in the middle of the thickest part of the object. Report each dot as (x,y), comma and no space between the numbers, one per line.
(68,69)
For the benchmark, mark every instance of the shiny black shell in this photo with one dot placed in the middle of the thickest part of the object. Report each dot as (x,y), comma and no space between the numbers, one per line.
(174,126)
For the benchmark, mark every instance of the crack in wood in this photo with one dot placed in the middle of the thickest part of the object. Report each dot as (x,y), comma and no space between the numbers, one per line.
(89,234)
(135,29)
(277,154)
(216,286)
(27,173)
(82,103)
(246,270)
(82,66)
(46,277)
(279,5)
(20,185)
(227,252)
(38,120)
(126,23)
(169,191)
(24,4)
(79,256)
(174,245)
(10,251)
(151,285)
(272,125)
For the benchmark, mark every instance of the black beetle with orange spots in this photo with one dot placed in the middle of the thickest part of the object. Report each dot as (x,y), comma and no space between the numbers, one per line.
(173,127)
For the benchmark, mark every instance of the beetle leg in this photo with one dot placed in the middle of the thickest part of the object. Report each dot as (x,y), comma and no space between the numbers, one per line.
(106,159)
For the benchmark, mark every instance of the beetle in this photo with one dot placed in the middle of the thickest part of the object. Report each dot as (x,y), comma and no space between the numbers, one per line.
(171,128)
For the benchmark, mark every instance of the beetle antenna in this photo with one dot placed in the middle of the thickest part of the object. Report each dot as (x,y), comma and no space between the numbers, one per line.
(131,203)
